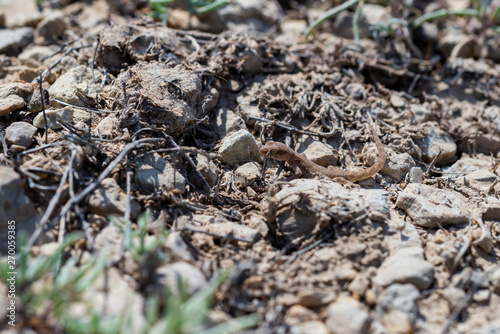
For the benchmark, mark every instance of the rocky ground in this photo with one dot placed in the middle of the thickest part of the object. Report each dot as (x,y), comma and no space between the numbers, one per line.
(141,202)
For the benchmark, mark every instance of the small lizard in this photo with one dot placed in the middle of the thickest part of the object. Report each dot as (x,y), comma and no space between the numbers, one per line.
(303,166)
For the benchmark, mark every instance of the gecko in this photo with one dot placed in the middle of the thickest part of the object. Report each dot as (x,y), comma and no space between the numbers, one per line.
(305,167)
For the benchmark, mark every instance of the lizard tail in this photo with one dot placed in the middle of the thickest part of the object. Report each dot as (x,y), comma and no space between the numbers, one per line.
(379,161)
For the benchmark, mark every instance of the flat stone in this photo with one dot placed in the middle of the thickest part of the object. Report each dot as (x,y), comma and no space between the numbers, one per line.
(247,174)
(298,314)
(177,247)
(171,276)
(153,172)
(347,317)
(13,41)
(18,96)
(207,169)
(438,144)
(398,165)
(20,133)
(71,85)
(428,206)
(493,274)
(33,56)
(172,97)
(397,322)
(108,243)
(111,296)
(68,115)
(226,121)
(317,151)
(308,327)
(284,210)
(406,265)
(111,199)
(239,147)
(52,26)
(402,298)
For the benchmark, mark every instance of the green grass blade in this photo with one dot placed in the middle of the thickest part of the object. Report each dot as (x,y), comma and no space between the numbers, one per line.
(330,13)
(443,13)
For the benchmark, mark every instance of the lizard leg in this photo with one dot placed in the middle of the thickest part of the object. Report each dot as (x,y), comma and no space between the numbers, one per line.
(345,182)
(298,174)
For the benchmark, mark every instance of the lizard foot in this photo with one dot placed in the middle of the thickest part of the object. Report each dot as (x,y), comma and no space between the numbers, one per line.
(346,183)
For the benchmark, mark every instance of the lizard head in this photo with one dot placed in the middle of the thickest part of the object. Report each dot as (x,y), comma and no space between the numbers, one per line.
(275,150)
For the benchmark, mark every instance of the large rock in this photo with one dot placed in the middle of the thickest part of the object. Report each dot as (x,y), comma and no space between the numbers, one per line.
(70,86)
(428,206)
(20,133)
(171,97)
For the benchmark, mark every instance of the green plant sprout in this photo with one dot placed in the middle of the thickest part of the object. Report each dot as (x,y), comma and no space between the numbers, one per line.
(483,9)
(198,7)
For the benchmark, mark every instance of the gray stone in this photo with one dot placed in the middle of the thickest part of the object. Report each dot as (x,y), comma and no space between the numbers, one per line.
(482,296)
(493,274)
(316,151)
(251,15)
(398,165)
(13,41)
(454,296)
(397,101)
(112,297)
(153,172)
(110,199)
(172,97)
(247,174)
(490,206)
(428,206)
(178,248)
(416,175)
(67,115)
(491,328)
(33,56)
(15,206)
(481,180)
(108,243)
(420,113)
(308,327)
(347,317)
(207,169)
(284,209)
(227,121)
(171,276)
(107,127)
(400,297)
(16,96)
(20,133)
(407,265)
(238,147)
(71,85)
(52,26)
(298,314)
